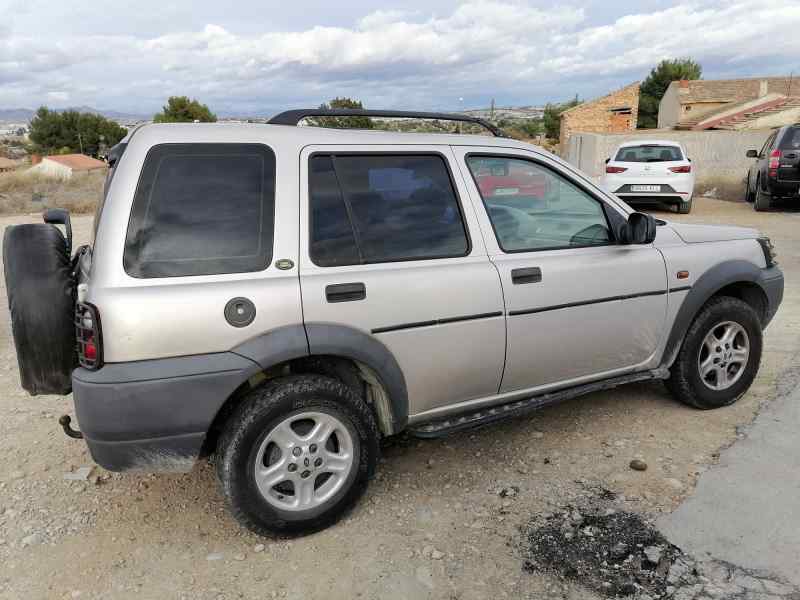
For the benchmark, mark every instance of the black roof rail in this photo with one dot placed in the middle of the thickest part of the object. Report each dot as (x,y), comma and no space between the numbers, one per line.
(293,117)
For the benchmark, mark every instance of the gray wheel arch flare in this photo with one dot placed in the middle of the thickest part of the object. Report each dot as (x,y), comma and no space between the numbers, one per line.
(318,339)
(769,280)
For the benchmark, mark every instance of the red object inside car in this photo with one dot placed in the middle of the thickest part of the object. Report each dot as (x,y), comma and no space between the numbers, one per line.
(507,185)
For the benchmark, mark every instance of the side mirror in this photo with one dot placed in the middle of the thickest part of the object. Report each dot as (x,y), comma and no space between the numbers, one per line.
(640,229)
(608,160)
(752,154)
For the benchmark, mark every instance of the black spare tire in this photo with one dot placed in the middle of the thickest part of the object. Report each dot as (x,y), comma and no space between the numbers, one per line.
(41,300)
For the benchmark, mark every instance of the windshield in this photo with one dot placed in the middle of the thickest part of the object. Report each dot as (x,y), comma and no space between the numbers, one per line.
(648,153)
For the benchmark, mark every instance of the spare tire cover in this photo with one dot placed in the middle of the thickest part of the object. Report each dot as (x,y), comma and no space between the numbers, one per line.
(41,300)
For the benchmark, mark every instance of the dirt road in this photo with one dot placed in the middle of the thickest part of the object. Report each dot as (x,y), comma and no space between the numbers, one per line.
(432,525)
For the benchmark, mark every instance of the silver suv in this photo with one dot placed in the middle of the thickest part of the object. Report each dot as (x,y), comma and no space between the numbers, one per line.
(283,297)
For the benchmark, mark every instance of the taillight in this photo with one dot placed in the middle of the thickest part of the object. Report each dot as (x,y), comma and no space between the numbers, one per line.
(88,336)
(683,169)
(610,169)
(774,161)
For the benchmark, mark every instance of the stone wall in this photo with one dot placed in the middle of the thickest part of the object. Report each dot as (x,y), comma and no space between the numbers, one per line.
(598,115)
(718,157)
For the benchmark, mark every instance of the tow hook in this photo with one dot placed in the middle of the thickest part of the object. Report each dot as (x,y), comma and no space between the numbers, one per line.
(64,421)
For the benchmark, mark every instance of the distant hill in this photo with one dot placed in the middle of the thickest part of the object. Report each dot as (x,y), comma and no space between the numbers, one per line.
(16,114)
(26,114)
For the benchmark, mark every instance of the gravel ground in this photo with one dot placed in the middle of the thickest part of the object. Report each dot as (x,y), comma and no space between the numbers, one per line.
(438,522)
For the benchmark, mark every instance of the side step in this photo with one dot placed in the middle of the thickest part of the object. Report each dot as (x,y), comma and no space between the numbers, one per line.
(518,408)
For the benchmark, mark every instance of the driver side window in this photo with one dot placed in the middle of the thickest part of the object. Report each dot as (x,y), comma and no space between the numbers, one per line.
(534,208)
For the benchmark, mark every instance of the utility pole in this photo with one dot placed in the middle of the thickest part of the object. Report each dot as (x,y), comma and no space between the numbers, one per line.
(491,111)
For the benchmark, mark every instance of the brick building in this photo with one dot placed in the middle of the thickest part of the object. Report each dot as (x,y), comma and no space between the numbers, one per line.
(614,113)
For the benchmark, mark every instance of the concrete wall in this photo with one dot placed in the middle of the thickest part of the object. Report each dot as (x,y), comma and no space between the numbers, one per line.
(718,157)
(51,168)
(669,108)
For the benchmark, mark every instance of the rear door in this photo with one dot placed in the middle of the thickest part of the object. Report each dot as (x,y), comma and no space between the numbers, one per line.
(579,305)
(390,245)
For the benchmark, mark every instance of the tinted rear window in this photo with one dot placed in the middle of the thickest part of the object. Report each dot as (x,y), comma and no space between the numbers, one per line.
(202,209)
(791,139)
(648,153)
(381,208)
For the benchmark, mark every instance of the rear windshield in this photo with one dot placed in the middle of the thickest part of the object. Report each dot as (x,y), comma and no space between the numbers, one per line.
(791,139)
(648,153)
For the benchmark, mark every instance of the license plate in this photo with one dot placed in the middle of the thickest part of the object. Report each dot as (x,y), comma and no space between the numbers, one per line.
(645,188)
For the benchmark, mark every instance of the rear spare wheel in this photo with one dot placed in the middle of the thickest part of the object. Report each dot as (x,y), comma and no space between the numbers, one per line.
(41,300)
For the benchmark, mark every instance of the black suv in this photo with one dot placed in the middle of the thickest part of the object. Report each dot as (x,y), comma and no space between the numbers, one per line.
(776,172)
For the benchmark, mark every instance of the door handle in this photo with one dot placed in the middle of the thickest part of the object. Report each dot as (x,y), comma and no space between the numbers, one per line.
(527,275)
(345,292)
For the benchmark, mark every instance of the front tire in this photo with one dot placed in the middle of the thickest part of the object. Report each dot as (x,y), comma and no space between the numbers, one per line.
(296,454)
(720,355)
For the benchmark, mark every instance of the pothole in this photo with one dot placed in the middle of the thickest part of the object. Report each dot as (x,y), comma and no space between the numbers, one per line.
(619,554)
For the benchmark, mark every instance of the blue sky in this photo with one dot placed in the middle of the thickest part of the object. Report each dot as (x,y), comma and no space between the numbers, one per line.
(263,56)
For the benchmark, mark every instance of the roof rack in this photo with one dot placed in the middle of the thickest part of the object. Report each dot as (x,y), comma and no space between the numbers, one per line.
(293,117)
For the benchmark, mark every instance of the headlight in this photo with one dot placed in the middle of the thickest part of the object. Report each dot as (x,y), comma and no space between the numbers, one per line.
(769,251)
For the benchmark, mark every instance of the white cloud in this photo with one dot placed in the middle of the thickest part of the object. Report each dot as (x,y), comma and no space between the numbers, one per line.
(482,49)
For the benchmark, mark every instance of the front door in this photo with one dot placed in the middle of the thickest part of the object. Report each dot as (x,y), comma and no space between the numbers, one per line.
(579,305)
(390,245)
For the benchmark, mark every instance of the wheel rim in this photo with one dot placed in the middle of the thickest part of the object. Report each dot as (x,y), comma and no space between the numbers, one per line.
(304,461)
(723,355)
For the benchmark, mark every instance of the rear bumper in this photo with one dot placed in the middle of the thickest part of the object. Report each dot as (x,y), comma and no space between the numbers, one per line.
(783,188)
(654,197)
(153,415)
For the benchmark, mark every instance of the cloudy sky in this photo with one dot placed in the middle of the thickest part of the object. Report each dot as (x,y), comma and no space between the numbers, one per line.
(256,56)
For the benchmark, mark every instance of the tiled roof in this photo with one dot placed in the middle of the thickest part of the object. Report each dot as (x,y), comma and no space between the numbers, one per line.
(734,90)
(77,162)
(728,117)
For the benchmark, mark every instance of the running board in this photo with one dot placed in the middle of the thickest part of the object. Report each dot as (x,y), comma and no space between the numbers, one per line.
(489,415)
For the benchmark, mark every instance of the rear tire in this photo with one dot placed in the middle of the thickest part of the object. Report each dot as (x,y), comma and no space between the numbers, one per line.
(685,208)
(762,200)
(706,374)
(272,436)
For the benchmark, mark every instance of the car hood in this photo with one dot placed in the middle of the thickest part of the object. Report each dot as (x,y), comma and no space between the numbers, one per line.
(692,234)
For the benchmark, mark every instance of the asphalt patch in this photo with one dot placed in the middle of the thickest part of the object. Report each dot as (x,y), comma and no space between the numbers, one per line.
(615,553)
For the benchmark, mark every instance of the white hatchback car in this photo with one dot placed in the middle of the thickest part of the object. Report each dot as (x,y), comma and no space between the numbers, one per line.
(651,170)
